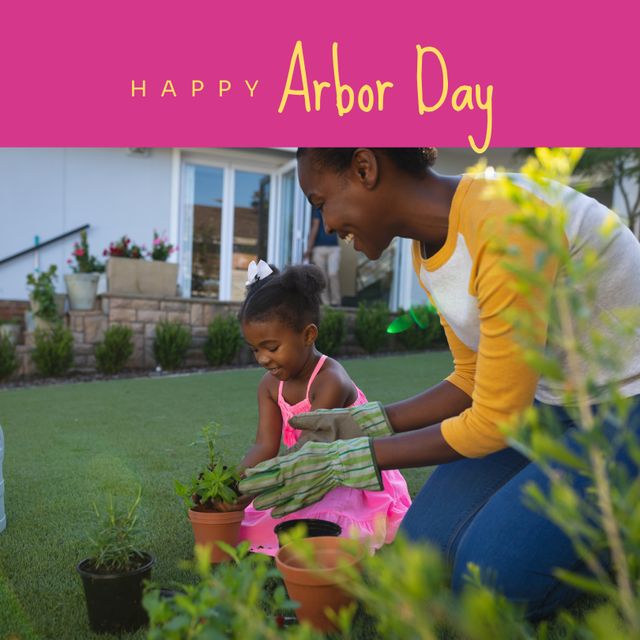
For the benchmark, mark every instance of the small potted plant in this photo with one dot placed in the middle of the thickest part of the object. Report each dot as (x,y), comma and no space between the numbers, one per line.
(208,497)
(113,574)
(44,300)
(82,284)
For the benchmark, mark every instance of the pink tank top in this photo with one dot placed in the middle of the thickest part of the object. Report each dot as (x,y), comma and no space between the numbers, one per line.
(289,434)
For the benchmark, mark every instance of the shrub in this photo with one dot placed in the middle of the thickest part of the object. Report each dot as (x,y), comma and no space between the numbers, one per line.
(240,599)
(223,340)
(43,293)
(53,353)
(170,345)
(331,331)
(8,360)
(371,326)
(416,338)
(116,348)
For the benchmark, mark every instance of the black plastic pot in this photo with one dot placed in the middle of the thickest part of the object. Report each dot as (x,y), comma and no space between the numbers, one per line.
(114,601)
(315,528)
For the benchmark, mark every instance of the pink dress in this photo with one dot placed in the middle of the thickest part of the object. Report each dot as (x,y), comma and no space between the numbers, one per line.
(372,514)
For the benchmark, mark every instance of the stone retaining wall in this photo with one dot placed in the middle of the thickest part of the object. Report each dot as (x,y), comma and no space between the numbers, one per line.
(142,314)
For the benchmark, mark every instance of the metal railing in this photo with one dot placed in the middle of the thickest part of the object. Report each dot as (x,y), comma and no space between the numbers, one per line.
(39,245)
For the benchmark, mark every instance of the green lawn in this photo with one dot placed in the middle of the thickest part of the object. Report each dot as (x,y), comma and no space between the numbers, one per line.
(69,445)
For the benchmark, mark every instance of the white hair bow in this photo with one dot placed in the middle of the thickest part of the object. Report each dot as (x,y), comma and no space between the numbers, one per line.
(258,271)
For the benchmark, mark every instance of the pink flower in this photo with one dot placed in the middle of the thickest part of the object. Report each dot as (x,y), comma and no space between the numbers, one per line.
(156,241)
(79,252)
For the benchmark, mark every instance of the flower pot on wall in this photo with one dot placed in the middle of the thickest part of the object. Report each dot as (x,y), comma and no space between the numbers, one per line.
(150,278)
(82,288)
(211,526)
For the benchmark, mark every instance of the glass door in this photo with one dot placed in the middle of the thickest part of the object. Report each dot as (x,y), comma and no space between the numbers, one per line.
(205,222)
(292,217)
(226,221)
(251,197)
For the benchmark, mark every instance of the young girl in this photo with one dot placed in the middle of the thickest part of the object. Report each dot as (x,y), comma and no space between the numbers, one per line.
(279,319)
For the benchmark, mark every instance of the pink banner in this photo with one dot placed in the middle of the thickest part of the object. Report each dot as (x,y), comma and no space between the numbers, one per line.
(204,73)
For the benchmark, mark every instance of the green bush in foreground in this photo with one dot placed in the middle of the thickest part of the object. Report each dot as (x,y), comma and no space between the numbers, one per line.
(116,348)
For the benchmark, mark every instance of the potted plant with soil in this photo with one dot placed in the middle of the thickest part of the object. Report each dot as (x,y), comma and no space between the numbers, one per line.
(45,304)
(82,284)
(210,497)
(114,573)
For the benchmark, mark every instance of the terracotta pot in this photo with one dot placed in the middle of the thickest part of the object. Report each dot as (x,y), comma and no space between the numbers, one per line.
(322,586)
(114,600)
(210,527)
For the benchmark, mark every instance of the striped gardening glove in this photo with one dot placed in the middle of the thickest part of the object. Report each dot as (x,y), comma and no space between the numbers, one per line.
(288,483)
(327,425)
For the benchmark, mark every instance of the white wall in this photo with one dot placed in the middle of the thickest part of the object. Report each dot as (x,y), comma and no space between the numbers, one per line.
(46,192)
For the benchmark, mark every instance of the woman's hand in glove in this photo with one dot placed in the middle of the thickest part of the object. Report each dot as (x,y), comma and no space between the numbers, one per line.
(289,482)
(327,425)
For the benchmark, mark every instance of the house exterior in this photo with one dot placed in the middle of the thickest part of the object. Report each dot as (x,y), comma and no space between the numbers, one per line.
(220,207)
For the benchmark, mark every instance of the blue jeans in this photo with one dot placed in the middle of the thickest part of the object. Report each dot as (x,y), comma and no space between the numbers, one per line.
(473,511)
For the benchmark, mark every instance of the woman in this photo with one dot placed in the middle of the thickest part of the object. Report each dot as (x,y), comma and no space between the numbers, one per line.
(471,507)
